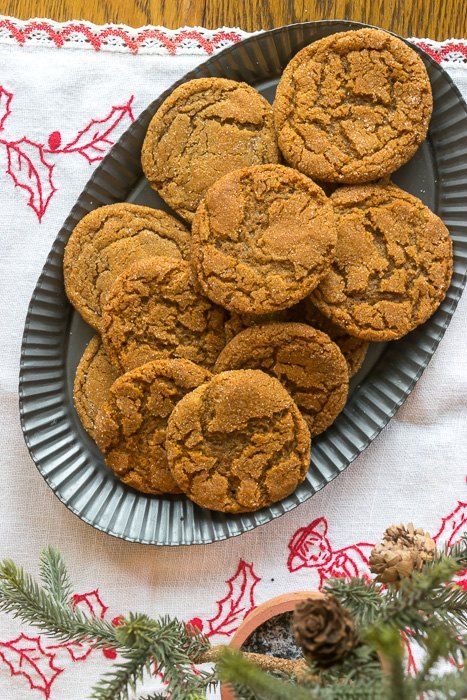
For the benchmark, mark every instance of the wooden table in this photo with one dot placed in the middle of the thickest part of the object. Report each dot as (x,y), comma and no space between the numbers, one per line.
(438,19)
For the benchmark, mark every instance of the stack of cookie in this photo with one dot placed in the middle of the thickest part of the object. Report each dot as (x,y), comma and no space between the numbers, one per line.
(222,350)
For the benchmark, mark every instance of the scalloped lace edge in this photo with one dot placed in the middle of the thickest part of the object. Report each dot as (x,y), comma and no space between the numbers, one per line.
(81,34)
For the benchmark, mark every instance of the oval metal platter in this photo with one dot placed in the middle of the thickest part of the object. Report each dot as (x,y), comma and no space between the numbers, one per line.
(55,336)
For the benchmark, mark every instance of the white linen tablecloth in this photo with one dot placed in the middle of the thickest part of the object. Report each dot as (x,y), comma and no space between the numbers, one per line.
(68,91)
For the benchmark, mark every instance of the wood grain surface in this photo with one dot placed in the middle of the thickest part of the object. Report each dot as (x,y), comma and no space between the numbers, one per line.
(438,19)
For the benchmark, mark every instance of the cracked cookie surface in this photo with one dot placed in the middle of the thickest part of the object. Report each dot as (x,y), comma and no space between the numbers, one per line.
(352,107)
(236,323)
(238,443)
(203,130)
(306,362)
(154,311)
(94,377)
(353,349)
(131,425)
(109,239)
(262,239)
(393,263)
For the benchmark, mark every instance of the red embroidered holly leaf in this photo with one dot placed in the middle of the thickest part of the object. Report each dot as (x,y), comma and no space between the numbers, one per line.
(25,656)
(238,602)
(93,141)
(76,650)
(29,170)
(453,525)
(5,102)
(92,605)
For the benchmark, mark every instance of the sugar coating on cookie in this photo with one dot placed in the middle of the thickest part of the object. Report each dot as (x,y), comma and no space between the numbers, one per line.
(203,130)
(94,376)
(238,443)
(236,323)
(262,239)
(352,107)
(306,362)
(353,349)
(154,311)
(131,425)
(106,241)
(393,263)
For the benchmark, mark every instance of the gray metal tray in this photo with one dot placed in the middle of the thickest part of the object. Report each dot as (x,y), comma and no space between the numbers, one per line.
(55,336)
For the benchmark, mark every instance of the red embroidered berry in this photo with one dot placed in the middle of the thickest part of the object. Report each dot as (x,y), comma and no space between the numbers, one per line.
(117,621)
(55,140)
(109,653)
(194,625)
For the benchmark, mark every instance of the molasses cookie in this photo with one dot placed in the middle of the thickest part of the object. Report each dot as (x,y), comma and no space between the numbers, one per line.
(393,264)
(109,239)
(238,322)
(154,311)
(94,377)
(203,130)
(352,107)
(131,425)
(262,239)
(306,362)
(238,443)
(353,349)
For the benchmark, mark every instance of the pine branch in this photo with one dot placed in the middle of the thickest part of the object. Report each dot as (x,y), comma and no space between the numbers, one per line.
(117,683)
(450,685)
(233,668)
(163,644)
(355,691)
(22,596)
(162,696)
(428,607)
(386,640)
(437,646)
(360,664)
(363,600)
(250,683)
(457,552)
(424,602)
(55,576)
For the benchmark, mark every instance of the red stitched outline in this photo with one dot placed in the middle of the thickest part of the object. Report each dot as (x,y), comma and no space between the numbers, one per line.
(317,531)
(8,99)
(74,147)
(84,598)
(452,523)
(47,683)
(19,161)
(42,204)
(412,667)
(99,38)
(249,581)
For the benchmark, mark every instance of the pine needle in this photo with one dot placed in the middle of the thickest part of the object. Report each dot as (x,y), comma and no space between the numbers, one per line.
(55,576)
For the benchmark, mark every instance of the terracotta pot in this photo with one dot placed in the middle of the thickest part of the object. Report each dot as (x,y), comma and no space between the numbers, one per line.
(275,606)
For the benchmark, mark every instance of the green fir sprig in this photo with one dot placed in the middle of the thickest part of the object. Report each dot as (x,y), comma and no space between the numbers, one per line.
(428,607)
(144,643)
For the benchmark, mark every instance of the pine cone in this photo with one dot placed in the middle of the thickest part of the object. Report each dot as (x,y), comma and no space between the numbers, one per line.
(402,551)
(324,630)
